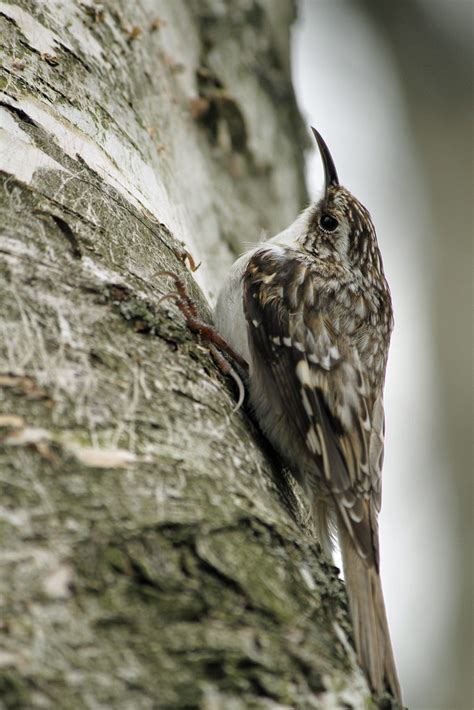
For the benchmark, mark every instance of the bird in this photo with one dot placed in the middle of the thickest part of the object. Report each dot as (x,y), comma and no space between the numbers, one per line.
(310,312)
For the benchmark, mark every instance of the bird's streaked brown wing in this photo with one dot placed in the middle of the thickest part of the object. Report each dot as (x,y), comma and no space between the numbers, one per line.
(318,377)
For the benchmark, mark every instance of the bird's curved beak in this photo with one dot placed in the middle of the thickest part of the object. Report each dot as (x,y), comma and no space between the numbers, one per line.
(330,172)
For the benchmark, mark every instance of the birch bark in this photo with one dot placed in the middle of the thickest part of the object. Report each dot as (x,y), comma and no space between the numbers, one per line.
(153,553)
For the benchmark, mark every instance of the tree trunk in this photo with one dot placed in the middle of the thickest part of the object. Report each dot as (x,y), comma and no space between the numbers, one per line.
(154,555)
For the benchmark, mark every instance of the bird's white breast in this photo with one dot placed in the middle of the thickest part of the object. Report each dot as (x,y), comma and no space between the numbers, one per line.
(229,314)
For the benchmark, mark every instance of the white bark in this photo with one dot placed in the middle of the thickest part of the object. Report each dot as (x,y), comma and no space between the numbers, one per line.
(153,554)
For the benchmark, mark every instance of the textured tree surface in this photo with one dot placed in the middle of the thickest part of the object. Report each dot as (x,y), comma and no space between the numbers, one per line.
(153,552)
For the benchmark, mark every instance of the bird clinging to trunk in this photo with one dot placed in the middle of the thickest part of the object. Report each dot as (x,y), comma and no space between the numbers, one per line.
(310,312)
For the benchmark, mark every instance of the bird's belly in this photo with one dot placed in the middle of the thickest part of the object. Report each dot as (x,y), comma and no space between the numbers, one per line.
(229,314)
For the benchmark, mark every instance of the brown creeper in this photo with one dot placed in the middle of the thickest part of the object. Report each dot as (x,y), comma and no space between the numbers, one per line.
(310,312)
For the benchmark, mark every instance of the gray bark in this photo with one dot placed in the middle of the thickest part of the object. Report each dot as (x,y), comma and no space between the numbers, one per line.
(153,553)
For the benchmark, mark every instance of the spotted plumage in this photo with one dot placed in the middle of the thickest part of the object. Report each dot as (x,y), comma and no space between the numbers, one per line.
(310,311)
(316,349)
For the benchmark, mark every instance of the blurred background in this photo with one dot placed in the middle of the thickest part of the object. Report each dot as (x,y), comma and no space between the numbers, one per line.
(389,85)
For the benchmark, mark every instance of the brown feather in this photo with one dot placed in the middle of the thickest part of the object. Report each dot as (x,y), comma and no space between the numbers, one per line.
(316,370)
(319,320)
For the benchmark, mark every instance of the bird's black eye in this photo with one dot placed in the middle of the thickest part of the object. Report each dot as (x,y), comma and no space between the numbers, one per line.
(328,223)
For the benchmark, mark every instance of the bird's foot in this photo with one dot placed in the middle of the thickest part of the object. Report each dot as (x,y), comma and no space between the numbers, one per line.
(185,256)
(218,347)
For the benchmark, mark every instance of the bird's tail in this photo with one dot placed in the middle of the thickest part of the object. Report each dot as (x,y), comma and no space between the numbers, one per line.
(372,637)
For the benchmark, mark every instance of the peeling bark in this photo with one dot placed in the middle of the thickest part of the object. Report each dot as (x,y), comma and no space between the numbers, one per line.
(153,553)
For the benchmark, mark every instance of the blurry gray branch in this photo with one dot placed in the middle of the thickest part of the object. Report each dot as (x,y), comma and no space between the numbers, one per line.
(432,45)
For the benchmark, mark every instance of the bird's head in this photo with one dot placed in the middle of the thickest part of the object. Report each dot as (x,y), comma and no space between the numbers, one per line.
(339,226)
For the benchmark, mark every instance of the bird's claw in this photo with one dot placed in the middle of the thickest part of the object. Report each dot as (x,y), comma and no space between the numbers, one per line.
(217,345)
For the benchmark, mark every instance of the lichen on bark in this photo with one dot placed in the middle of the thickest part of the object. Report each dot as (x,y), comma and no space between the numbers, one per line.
(154,554)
